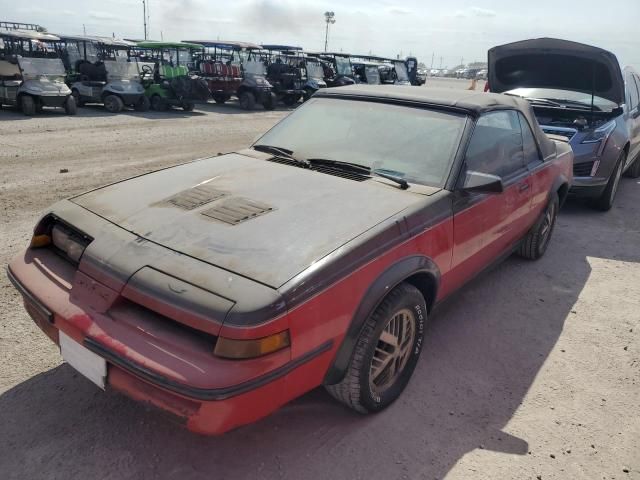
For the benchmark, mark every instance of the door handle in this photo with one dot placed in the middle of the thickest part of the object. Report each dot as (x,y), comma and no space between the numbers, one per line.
(523,187)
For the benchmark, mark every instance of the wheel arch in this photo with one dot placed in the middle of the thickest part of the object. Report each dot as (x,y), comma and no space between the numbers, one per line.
(418,270)
(561,187)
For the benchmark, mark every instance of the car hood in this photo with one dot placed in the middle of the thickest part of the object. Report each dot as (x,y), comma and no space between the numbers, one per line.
(297,216)
(556,64)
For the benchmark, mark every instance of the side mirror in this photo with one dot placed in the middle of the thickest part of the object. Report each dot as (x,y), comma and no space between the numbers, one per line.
(482,182)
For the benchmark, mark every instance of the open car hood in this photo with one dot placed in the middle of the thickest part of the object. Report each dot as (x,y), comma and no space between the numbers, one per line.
(556,64)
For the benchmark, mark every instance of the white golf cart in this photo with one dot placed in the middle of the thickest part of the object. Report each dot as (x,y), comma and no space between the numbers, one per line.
(32,73)
(100,70)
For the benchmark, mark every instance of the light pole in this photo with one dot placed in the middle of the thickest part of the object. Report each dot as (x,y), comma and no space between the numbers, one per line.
(329,18)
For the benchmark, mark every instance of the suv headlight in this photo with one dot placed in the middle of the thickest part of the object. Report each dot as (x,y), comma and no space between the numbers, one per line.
(601,134)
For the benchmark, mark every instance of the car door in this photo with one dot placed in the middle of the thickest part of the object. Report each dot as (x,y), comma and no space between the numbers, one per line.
(486,225)
(540,176)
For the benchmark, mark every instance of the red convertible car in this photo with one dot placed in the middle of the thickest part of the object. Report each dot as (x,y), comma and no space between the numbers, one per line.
(223,288)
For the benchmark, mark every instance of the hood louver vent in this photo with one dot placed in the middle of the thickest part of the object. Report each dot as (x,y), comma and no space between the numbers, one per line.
(237,210)
(336,172)
(195,197)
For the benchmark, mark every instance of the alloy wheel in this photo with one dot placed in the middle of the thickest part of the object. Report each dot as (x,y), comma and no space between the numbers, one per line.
(392,351)
(547,225)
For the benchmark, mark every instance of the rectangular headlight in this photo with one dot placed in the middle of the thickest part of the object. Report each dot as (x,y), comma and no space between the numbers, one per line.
(68,242)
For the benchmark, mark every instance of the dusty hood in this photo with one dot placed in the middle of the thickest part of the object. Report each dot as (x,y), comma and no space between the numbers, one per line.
(557,64)
(295,216)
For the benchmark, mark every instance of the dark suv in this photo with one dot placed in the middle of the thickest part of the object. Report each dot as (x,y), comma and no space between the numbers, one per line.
(579,92)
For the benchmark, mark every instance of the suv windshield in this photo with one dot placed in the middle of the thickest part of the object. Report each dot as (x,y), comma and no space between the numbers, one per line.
(41,67)
(415,144)
(567,97)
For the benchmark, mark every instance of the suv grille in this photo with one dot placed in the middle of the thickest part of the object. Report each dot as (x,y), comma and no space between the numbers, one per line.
(237,210)
(582,169)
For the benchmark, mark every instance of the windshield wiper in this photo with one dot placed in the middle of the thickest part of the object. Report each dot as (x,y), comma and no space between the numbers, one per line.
(359,168)
(577,103)
(279,152)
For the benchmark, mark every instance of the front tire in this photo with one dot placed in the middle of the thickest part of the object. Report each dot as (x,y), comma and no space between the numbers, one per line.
(28,105)
(247,101)
(290,100)
(159,104)
(537,240)
(605,202)
(70,106)
(188,106)
(269,102)
(386,352)
(143,104)
(113,104)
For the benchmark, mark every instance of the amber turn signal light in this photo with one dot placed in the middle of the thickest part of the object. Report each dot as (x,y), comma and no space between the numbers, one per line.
(39,241)
(242,349)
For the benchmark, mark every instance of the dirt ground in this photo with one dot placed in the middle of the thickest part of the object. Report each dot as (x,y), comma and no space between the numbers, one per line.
(530,372)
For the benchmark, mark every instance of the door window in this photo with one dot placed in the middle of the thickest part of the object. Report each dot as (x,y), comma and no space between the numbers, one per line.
(529,144)
(496,145)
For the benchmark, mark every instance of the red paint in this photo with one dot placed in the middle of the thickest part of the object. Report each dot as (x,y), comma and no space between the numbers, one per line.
(84,307)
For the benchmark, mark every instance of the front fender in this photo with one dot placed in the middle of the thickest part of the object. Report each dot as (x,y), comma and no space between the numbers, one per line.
(377,291)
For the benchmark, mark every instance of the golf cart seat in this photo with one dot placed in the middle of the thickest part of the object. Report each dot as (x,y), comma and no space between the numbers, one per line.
(91,72)
(169,72)
(9,70)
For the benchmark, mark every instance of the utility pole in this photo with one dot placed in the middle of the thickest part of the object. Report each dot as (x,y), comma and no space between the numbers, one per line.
(84,29)
(144,17)
(433,57)
(329,18)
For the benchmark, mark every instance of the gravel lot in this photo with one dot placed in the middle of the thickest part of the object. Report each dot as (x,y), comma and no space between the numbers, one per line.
(532,371)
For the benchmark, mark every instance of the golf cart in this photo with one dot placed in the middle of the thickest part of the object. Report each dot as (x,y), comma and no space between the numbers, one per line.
(315,76)
(100,70)
(166,70)
(234,69)
(338,71)
(366,71)
(32,73)
(392,71)
(286,71)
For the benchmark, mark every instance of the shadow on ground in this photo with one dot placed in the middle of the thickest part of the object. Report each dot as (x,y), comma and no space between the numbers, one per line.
(484,350)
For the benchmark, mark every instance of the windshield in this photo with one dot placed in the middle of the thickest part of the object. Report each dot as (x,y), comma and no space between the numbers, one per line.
(401,71)
(373,75)
(254,67)
(314,70)
(41,67)
(119,70)
(416,144)
(343,66)
(570,96)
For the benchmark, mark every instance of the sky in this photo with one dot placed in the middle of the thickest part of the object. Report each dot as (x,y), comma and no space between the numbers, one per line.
(440,33)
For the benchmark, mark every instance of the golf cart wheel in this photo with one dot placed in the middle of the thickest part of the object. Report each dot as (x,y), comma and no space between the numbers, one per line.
(290,100)
(159,104)
(28,105)
(247,101)
(634,169)
(188,106)
(386,352)
(113,104)
(605,202)
(70,107)
(76,96)
(220,99)
(537,240)
(269,102)
(143,104)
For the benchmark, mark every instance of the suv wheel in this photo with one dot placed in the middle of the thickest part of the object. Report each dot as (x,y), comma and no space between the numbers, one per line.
(605,202)
(386,352)
(537,240)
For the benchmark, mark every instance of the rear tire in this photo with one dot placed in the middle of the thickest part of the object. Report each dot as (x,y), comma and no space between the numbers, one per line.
(386,352)
(537,240)
(76,96)
(247,101)
(113,103)
(290,100)
(28,105)
(70,107)
(220,99)
(269,102)
(188,106)
(634,169)
(143,104)
(159,104)
(605,202)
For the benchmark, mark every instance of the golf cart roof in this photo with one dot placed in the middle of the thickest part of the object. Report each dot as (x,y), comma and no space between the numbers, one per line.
(115,42)
(28,35)
(228,45)
(282,48)
(153,44)
(367,63)
(328,54)
(556,64)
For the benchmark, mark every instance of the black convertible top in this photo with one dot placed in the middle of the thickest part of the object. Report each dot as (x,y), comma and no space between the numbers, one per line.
(462,101)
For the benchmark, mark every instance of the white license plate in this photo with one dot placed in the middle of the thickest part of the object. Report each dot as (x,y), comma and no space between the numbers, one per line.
(84,361)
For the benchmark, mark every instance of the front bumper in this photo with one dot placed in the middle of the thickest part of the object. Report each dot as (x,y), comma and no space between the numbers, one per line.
(53,101)
(211,395)
(588,187)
